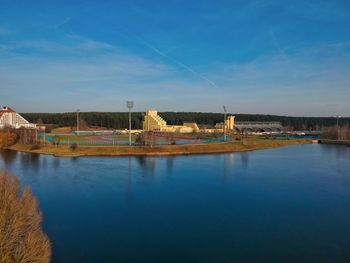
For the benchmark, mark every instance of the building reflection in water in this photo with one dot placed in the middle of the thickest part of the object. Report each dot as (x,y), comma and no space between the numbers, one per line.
(230,157)
(245,159)
(170,163)
(229,161)
(129,194)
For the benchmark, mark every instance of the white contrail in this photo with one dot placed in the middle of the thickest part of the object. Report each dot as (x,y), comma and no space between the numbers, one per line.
(159,52)
(278,46)
(179,63)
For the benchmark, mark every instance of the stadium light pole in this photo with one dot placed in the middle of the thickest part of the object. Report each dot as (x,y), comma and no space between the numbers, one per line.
(130,105)
(44,128)
(143,123)
(224,123)
(148,129)
(78,121)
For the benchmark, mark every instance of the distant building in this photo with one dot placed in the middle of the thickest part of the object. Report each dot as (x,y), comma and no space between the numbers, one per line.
(259,127)
(153,122)
(192,125)
(10,118)
(229,123)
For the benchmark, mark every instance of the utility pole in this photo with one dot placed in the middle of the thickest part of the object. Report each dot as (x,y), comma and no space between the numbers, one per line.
(78,121)
(337,116)
(129,105)
(224,123)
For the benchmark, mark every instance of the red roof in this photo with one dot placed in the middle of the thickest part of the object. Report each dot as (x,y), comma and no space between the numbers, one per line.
(6,109)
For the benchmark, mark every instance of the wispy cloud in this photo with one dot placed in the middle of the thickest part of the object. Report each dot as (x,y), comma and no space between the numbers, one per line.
(300,85)
(100,76)
(96,81)
(72,44)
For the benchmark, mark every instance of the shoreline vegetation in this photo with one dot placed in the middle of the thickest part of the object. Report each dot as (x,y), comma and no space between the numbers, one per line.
(22,238)
(159,150)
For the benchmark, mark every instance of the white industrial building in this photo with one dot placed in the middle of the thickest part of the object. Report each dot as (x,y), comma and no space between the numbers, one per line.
(10,118)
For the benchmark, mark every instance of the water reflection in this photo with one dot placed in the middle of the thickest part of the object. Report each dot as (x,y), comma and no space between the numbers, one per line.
(56,163)
(74,159)
(170,163)
(227,165)
(340,151)
(147,163)
(102,209)
(30,160)
(129,194)
(245,159)
(8,156)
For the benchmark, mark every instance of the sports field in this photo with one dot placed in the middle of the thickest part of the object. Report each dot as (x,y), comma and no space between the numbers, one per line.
(123,139)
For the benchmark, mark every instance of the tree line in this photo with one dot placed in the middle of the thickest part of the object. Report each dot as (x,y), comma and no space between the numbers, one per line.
(120,120)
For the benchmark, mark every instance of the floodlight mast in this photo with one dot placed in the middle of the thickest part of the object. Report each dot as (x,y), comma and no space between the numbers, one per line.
(129,105)
(44,128)
(78,121)
(224,123)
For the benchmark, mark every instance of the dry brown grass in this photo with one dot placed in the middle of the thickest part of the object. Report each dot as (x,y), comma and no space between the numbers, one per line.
(22,239)
(249,145)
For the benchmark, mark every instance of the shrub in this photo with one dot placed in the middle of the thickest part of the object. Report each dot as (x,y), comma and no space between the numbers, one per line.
(140,139)
(7,138)
(56,140)
(73,146)
(21,236)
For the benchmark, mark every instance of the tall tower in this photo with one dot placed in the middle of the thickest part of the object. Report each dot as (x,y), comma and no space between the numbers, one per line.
(230,122)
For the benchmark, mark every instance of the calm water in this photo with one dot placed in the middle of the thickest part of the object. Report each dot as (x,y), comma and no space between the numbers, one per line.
(283,205)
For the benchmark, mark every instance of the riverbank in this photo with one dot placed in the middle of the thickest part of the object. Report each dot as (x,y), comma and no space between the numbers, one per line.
(224,147)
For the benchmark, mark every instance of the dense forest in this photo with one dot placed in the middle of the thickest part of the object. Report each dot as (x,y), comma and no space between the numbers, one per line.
(119,120)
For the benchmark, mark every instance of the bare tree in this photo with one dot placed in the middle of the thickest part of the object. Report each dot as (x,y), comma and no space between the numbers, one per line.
(22,239)
(83,125)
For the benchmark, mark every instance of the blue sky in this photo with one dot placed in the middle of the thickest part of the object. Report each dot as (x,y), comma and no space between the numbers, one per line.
(270,57)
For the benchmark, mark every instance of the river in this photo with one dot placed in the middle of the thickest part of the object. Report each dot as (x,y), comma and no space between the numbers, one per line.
(290,204)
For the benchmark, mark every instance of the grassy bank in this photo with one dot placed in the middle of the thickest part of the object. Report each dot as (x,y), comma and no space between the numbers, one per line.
(224,147)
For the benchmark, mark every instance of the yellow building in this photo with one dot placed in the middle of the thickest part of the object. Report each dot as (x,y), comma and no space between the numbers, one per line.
(192,125)
(229,123)
(153,122)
